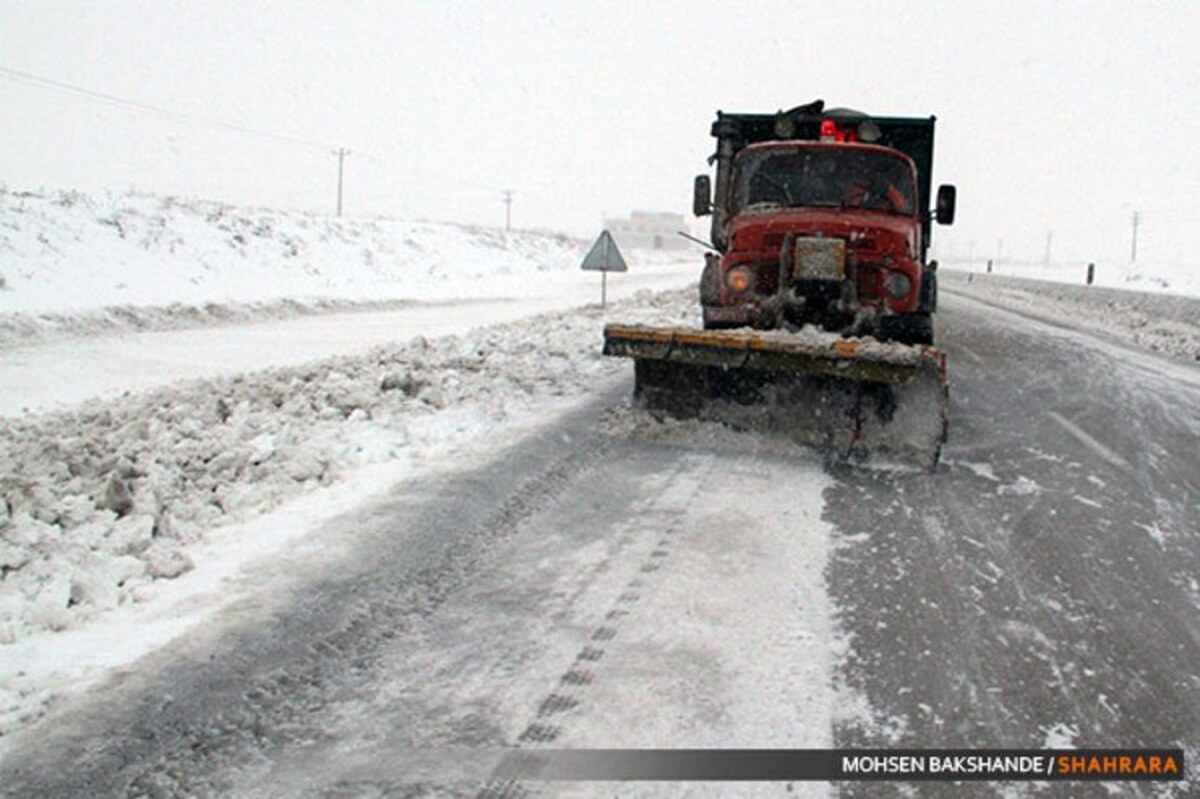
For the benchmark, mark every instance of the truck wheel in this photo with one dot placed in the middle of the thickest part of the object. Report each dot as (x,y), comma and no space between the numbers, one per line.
(915,328)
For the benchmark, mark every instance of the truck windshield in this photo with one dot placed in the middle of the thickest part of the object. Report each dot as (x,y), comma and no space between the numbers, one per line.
(827,177)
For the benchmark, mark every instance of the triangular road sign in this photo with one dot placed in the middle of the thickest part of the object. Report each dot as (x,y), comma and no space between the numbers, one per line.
(604,256)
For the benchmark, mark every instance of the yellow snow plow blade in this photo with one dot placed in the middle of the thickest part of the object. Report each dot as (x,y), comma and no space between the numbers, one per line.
(856,399)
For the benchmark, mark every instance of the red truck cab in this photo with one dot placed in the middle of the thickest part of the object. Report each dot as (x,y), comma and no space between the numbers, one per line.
(829,230)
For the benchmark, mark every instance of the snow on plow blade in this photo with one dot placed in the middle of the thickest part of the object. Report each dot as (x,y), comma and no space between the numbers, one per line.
(855,399)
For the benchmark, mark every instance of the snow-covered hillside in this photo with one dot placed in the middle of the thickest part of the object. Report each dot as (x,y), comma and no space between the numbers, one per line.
(75,263)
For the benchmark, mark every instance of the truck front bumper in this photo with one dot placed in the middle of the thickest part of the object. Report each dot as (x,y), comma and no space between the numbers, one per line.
(741,315)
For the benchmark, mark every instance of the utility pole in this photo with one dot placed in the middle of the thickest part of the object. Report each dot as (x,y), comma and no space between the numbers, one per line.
(341,153)
(508,195)
(1133,249)
(1049,238)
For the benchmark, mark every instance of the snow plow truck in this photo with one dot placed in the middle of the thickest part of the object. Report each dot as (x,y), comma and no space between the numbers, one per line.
(817,296)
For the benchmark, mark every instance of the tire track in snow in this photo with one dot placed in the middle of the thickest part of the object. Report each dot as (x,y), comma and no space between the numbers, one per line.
(554,711)
(228,699)
(725,640)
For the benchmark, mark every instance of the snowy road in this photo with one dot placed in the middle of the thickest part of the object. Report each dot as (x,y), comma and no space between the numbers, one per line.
(63,373)
(568,592)
(1042,588)
(593,585)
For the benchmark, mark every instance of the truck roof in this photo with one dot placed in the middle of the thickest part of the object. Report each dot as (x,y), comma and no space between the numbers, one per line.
(783,144)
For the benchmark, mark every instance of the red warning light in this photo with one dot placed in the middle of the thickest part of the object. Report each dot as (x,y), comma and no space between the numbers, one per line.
(831,132)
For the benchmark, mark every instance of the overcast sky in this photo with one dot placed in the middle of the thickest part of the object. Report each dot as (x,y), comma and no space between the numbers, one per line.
(1064,117)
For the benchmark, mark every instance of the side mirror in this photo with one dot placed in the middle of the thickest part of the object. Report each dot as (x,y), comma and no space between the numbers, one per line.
(701,196)
(944,212)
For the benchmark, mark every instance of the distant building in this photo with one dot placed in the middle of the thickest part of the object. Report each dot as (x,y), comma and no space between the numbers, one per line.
(648,230)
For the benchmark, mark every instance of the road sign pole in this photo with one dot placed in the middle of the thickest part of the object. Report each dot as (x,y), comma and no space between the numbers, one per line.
(604,257)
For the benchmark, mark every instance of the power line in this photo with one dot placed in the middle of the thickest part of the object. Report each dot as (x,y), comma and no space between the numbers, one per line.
(37,81)
(134,105)
(442,178)
(403,166)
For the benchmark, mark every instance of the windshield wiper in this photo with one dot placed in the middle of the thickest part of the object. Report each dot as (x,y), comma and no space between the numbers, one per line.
(770,181)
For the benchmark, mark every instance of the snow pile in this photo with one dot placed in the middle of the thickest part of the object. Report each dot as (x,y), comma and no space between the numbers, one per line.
(98,502)
(1161,323)
(75,263)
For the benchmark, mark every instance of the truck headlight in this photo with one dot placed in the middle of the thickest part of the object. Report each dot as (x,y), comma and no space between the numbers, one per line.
(739,280)
(898,285)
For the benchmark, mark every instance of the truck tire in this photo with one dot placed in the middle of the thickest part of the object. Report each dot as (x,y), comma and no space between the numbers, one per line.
(914,328)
